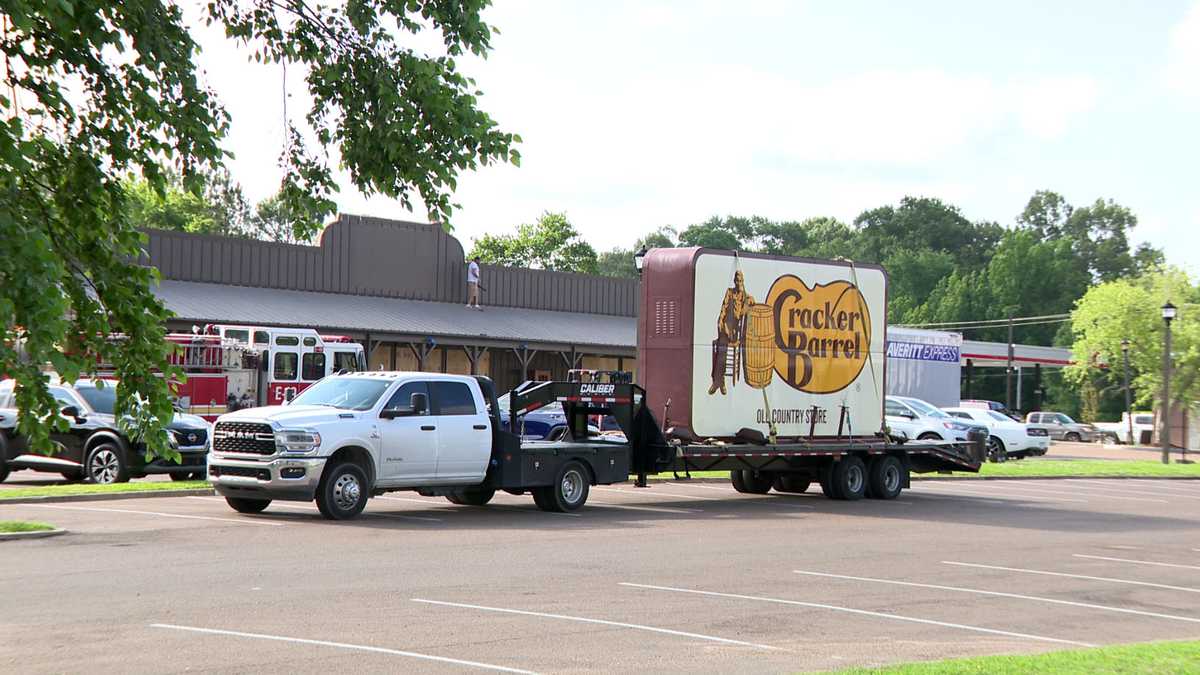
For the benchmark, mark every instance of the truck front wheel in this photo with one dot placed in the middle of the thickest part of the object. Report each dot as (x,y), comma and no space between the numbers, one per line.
(343,492)
(569,490)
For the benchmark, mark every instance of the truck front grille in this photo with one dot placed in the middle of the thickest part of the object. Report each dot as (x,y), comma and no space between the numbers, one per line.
(245,437)
(248,472)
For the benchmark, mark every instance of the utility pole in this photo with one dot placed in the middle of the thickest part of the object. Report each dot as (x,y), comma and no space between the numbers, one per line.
(1128,402)
(1008,385)
(1168,314)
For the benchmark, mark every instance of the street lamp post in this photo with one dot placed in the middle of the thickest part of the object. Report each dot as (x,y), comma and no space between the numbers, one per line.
(1128,403)
(1168,315)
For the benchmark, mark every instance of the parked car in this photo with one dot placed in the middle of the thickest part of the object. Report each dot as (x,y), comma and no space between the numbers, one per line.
(93,448)
(1116,432)
(996,406)
(1006,438)
(913,418)
(1062,427)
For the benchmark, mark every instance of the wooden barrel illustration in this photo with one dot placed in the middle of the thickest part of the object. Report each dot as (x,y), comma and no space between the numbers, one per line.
(759,356)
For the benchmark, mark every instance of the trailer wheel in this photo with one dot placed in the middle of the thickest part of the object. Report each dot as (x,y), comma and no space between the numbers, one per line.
(569,490)
(752,482)
(541,498)
(343,492)
(477,497)
(885,478)
(792,484)
(739,484)
(849,478)
(825,477)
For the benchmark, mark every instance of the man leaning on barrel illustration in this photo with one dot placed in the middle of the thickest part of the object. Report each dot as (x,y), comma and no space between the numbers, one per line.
(734,307)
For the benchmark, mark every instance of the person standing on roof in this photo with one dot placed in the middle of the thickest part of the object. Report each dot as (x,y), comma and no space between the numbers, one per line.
(473,284)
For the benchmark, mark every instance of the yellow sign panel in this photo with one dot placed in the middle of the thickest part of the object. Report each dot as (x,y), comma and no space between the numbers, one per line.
(822,335)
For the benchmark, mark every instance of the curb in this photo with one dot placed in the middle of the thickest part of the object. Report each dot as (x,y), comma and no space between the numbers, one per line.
(36,534)
(198,492)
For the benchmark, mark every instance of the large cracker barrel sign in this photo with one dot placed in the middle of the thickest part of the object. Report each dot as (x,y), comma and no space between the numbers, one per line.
(792,343)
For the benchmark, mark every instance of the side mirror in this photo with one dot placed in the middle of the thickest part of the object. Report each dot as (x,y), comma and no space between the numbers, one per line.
(71,411)
(420,403)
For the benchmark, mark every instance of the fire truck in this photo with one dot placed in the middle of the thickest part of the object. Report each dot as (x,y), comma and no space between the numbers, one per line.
(230,367)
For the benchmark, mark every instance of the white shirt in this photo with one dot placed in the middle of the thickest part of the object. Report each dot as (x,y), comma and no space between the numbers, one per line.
(473,273)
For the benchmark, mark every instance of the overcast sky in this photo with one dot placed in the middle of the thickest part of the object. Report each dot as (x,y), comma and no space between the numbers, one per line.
(643,113)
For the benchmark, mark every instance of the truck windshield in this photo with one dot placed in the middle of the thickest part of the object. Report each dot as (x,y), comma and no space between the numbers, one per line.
(347,393)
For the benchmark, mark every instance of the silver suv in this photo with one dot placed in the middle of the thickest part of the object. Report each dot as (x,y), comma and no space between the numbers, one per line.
(1062,427)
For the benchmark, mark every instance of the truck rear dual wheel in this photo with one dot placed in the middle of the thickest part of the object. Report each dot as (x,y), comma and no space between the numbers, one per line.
(845,479)
(568,492)
(342,493)
(885,478)
(471,497)
(751,482)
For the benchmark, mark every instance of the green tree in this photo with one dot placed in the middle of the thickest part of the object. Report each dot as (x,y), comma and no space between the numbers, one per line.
(1098,233)
(922,222)
(272,221)
(732,233)
(820,237)
(214,205)
(549,243)
(97,91)
(1129,309)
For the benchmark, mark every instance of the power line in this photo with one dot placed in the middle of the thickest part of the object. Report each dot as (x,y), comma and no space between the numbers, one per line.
(985,323)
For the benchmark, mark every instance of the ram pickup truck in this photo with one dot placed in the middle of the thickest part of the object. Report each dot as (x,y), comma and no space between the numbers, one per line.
(352,436)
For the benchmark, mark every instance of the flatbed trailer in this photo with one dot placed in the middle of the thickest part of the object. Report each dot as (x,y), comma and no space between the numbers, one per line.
(847,468)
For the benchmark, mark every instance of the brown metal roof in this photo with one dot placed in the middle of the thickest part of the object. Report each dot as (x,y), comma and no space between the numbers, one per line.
(392,317)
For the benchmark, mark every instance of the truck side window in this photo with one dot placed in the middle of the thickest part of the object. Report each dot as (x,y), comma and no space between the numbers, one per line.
(344,361)
(313,367)
(285,365)
(454,398)
(262,337)
(402,399)
(893,409)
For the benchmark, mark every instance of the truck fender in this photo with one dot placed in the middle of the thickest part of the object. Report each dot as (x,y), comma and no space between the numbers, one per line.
(357,453)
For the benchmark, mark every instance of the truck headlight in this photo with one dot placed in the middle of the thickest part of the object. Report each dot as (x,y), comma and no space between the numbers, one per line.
(298,441)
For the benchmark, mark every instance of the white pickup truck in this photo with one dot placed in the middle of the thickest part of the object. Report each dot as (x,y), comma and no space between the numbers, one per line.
(352,436)
(1118,432)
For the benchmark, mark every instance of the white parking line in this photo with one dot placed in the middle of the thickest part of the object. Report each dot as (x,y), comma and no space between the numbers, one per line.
(1137,562)
(449,508)
(862,612)
(238,521)
(959,589)
(1181,486)
(1074,576)
(601,622)
(631,507)
(642,492)
(991,494)
(1088,492)
(1096,485)
(342,645)
(773,502)
(309,507)
(1024,492)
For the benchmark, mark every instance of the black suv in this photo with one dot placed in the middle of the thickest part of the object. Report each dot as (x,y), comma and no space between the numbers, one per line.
(93,448)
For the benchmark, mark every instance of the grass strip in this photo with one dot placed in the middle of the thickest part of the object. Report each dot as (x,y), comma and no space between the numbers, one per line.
(10,526)
(91,489)
(1157,658)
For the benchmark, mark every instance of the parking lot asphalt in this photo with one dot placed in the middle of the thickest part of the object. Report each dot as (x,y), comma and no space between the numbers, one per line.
(679,577)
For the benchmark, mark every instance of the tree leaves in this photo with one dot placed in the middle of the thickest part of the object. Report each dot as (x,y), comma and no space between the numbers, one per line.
(550,243)
(100,91)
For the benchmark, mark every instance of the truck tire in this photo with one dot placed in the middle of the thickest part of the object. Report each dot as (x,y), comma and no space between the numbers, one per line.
(792,484)
(246,505)
(569,490)
(751,482)
(826,480)
(885,478)
(471,497)
(343,492)
(541,498)
(849,478)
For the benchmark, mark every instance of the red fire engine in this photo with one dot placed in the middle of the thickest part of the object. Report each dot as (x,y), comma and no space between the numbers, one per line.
(232,367)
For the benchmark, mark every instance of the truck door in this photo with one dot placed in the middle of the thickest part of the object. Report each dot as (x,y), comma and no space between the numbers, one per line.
(285,369)
(345,359)
(409,442)
(464,432)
